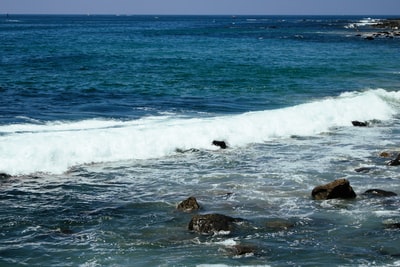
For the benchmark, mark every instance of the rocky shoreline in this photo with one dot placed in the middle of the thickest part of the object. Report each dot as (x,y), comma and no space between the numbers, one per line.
(388,28)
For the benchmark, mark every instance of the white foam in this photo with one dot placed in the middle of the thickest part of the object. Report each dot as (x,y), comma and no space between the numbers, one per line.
(363,22)
(56,146)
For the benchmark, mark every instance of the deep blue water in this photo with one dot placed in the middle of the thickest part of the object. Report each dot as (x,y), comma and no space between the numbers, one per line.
(95,111)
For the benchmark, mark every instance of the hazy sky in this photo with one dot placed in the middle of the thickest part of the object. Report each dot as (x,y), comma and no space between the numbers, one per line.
(230,7)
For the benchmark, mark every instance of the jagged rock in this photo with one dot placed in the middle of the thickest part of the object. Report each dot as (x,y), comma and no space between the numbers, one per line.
(360,123)
(221,144)
(211,223)
(188,205)
(337,189)
(379,193)
(394,162)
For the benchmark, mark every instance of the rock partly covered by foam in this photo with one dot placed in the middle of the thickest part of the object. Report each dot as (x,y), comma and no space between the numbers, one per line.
(221,144)
(339,188)
(188,205)
(394,162)
(211,223)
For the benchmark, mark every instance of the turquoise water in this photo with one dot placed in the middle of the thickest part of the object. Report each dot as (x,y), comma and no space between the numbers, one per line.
(107,123)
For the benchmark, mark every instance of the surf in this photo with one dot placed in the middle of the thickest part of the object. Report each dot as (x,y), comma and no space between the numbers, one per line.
(56,146)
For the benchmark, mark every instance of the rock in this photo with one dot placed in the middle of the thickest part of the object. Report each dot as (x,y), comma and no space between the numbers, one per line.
(279,224)
(4,175)
(394,162)
(339,188)
(393,225)
(379,193)
(363,169)
(221,144)
(211,223)
(359,123)
(239,250)
(385,154)
(189,205)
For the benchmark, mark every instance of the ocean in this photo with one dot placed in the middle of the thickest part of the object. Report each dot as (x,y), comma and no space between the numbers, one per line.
(107,124)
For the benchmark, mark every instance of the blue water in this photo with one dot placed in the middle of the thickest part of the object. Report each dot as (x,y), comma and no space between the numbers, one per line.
(107,123)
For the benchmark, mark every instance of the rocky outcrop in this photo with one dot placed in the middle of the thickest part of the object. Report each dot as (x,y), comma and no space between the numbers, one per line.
(337,189)
(379,193)
(188,205)
(211,223)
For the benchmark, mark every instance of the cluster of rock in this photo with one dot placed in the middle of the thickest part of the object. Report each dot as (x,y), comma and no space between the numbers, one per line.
(389,29)
(341,188)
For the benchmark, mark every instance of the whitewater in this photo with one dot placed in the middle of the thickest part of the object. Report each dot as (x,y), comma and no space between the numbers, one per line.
(54,147)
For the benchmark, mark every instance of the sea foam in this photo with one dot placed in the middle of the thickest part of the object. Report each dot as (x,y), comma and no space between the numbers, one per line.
(54,147)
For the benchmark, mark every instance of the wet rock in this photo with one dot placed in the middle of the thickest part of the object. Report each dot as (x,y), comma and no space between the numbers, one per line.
(279,224)
(394,162)
(379,193)
(360,123)
(221,144)
(239,250)
(385,154)
(393,225)
(4,175)
(211,223)
(339,188)
(188,205)
(363,169)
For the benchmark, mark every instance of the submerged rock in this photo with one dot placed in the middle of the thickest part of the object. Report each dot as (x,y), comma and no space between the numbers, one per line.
(211,223)
(379,193)
(188,205)
(337,189)
(221,144)
(279,224)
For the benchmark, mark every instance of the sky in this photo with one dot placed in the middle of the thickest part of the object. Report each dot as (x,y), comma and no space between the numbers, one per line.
(203,7)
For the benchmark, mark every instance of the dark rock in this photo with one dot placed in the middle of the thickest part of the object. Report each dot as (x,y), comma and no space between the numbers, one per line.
(363,169)
(394,162)
(393,225)
(370,38)
(4,175)
(221,144)
(379,193)
(360,123)
(188,205)
(211,223)
(239,250)
(337,189)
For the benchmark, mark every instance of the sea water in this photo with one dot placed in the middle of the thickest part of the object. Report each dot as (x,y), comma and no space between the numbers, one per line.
(107,123)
